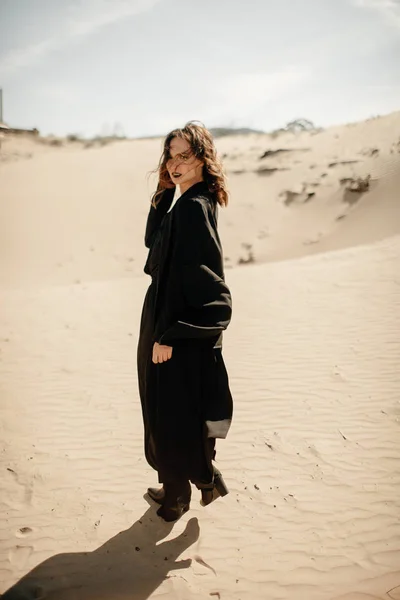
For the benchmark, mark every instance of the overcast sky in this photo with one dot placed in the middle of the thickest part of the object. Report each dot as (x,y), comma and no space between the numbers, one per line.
(83,66)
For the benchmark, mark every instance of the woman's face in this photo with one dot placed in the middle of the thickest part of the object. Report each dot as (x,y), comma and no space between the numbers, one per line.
(184,168)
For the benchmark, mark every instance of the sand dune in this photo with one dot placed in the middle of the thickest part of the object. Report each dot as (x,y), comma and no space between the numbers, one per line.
(76,214)
(313,354)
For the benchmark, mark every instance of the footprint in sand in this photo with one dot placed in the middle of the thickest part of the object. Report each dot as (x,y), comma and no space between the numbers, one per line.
(23,532)
(19,556)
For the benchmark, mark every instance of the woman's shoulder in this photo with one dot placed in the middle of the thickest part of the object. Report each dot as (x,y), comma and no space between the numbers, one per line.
(197,196)
(198,207)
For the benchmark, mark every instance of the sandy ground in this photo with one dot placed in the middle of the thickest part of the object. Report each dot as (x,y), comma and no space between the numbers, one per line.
(313,353)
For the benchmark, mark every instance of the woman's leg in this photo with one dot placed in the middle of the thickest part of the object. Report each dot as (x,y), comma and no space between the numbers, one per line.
(176,500)
(216,490)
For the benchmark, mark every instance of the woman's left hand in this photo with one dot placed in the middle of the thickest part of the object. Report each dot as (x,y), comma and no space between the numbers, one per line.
(161,353)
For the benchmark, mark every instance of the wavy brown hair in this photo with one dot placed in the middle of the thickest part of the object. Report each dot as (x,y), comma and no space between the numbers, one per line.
(202,145)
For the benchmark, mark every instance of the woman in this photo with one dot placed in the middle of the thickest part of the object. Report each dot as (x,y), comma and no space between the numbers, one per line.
(183,383)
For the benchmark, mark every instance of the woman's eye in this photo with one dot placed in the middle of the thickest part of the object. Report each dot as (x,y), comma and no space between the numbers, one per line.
(178,157)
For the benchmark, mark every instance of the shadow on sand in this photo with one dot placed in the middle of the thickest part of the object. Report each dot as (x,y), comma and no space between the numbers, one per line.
(130,565)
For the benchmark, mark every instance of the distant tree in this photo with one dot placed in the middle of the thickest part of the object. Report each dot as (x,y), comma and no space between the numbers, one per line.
(223,131)
(300,125)
(73,137)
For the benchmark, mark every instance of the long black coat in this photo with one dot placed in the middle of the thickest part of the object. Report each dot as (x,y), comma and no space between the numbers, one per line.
(186,401)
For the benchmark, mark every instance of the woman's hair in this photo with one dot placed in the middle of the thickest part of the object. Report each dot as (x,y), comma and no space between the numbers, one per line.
(202,146)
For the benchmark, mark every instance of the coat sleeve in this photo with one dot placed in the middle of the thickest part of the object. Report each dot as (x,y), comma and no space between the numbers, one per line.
(199,305)
(156,215)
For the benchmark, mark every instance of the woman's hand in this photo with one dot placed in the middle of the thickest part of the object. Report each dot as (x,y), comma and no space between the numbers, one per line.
(161,353)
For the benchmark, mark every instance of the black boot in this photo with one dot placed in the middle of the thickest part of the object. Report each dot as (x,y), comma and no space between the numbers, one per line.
(176,500)
(218,489)
(157,494)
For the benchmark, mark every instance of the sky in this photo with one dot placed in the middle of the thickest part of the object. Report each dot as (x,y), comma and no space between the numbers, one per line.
(144,67)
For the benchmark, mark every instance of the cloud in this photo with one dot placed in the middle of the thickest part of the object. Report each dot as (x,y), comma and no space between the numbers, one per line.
(23,57)
(83,19)
(245,96)
(92,15)
(389,9)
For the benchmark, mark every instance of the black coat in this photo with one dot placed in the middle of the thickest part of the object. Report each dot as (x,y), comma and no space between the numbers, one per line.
(193,300)
(186,401)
